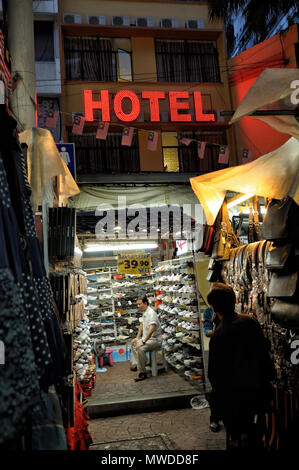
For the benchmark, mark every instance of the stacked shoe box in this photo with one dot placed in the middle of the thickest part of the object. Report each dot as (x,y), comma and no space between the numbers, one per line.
(179,316)
(126,290)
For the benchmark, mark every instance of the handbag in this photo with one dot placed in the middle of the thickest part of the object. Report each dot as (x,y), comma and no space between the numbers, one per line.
(277,256)
(285,313)
(201,239)
(283,284)
(281,221)
(224,238)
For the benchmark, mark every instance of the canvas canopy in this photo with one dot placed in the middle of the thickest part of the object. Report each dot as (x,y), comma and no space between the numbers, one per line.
(91,197)
(274,175)
(274,89)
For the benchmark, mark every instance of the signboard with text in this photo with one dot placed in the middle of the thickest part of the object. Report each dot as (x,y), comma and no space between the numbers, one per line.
(134,264)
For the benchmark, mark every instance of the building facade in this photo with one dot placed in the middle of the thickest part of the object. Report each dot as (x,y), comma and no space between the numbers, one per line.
(281,50)
(143,47)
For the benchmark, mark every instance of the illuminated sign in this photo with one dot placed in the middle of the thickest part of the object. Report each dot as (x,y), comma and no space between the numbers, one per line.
(177,100)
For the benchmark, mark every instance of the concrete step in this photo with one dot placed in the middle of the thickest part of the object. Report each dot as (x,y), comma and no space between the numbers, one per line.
(156,402)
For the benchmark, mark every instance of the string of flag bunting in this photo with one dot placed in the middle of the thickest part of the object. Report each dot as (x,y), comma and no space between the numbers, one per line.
(152,141)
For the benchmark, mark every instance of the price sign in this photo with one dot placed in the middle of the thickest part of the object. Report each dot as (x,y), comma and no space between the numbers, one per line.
(134,264)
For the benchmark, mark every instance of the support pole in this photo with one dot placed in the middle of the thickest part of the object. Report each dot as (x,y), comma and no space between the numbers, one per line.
(21,46)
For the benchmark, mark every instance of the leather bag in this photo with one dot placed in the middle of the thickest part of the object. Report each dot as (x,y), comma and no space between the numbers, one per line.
(224,238)
(281,221)
(277,256)
(283,284)
(285,313)
(201,239)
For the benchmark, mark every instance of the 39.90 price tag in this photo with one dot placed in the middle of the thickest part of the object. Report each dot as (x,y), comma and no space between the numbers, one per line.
(134,264)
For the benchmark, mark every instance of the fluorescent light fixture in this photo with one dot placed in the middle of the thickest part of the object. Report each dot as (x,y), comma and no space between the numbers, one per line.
(239,200)
(120,246)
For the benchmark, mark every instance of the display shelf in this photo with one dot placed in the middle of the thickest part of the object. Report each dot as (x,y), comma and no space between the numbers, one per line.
(179,309)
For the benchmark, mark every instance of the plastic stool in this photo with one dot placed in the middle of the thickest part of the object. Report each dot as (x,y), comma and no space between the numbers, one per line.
(108,352)
(153,367)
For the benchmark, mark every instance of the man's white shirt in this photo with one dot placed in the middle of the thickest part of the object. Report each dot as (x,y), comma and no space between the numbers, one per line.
(150,317)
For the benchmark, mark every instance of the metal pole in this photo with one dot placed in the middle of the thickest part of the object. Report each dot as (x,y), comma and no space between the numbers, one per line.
(270,112)
(21,46)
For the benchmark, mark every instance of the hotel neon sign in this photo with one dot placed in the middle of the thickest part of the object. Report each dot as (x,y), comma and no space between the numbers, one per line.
(153,98)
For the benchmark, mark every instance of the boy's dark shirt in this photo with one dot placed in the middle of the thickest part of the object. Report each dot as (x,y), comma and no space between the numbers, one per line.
(239,360)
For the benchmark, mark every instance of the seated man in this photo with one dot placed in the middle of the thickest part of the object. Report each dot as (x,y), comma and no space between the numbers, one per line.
(148,338)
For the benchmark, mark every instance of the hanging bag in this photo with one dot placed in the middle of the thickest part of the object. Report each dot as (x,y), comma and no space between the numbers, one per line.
(281,220)
(224,238)
(278,256)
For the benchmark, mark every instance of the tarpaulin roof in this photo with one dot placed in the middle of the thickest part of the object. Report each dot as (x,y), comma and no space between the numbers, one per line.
(272,86)
(274,175)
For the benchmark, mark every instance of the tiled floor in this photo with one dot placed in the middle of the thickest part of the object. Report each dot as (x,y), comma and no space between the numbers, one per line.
(118,383)
(180,429)
(184,429)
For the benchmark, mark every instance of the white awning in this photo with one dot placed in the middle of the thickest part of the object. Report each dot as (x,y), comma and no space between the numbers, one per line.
(274,175)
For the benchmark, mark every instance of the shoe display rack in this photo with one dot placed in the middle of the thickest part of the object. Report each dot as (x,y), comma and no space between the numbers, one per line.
(179,314)
(101,310)
(126,290)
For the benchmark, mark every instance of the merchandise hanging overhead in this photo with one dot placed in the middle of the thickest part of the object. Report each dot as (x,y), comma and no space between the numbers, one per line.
(44,163)
(274,175)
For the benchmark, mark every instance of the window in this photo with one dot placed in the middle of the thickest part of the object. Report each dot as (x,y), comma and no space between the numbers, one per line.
(45,104)
(188,157)
(105,156)
(98,59)
(170,151)
(44,41)
(178,157)
(187,61)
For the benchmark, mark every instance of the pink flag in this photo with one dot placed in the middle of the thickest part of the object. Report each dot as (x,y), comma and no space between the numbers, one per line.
(51,119)
(223,154)
(152,140)
(127,136)
(246,155)
(78,125)
(201,146)
(186,141)
(219,117)
(102,130)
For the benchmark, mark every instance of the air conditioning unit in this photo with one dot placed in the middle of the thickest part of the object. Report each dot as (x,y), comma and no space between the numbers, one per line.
(195,24)
(143,22)
(71,18)
(121,20)
(96,19)
(169,23)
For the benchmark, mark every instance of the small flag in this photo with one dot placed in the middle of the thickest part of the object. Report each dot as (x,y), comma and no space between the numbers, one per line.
(246,155)
(223,154)
(78,125)
(51,119)
(218,116)
(127,136)
(201,146)
(186,141)
(102,130)
(152,140)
